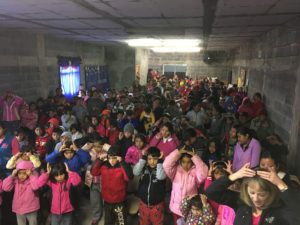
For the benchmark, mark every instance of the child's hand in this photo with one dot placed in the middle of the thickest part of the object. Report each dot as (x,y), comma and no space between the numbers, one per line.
(161,155)
(29,154)
(204,200)
(67,168)
(119,158)
(62,148)
(14,173)
(48,168)
(228,168)
(103,156)
(159,136)
(74,147)
(28,173)
(192,153)
(121,135)
(182,150)
(144,152)
(211,167)
(19,155)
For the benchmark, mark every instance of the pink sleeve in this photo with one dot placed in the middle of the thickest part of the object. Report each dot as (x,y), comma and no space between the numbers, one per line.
(154,141)
(169,164)
(19,101)
(8,183)
(74,179)
(15,146)
(43,179)
(207,182)
(34,182)
(201,168)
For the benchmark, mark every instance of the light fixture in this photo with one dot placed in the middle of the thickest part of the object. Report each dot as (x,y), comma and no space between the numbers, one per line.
(150,42)
(176,49)
(145,42)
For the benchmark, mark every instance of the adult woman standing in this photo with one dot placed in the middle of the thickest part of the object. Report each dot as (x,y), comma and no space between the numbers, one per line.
(264,198)
(247,150)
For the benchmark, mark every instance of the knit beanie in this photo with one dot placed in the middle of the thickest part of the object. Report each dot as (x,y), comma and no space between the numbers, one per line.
(114,151)
(129,128)
(25,165)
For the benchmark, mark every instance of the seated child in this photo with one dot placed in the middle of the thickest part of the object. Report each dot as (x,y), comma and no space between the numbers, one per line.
(115,175)
(196,210)
(26,199)
(152,186)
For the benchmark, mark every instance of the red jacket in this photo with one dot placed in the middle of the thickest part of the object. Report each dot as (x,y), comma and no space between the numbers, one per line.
(113,135)
(114,180)
(40,144)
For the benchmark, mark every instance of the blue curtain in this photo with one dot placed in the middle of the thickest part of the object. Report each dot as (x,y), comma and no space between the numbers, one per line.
(70,80)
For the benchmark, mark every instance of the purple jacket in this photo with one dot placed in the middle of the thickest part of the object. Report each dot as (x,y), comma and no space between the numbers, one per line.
(165,146)
(251,154)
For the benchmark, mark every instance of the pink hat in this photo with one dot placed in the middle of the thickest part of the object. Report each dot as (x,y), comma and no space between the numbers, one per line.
(25,165)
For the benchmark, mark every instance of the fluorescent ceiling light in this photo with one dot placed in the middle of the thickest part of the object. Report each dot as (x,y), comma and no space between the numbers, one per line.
(176,49)
(143,42)
(164,42)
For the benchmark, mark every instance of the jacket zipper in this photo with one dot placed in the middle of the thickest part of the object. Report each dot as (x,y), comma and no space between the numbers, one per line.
(149,189)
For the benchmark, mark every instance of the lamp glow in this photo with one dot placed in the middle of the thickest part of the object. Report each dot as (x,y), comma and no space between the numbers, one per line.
(176,49)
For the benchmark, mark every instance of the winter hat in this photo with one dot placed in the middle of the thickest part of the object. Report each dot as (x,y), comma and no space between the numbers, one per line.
(114,151)
(25,165)
(66,134)
(105,112)
(54,121)
(129,128)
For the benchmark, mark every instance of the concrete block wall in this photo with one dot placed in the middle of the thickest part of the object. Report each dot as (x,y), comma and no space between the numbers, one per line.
(273,69)
(194,61)
(120,60)
(28,61)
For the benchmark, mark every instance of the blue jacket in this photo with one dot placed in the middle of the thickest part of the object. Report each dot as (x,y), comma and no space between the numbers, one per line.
(5,154)
(79,159)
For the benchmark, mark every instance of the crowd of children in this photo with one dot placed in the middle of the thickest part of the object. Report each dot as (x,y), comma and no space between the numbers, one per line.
(190,146)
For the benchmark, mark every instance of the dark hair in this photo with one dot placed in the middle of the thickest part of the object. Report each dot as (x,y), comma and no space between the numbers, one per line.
(140,136)
(129,112)
(188,133)
(98,139)
(244,131)
(148,109)
(257,94)
(74,126)
(245,114)
(153,151)
(218,108)
(26,148)
(265,154)
(218,147)
(196,202)
(57,130)
(3,125)
(56,170)
(22,130)
(169,126)
(42,127)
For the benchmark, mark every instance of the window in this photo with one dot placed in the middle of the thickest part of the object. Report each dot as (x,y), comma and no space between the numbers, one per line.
(169,70)
(70,80)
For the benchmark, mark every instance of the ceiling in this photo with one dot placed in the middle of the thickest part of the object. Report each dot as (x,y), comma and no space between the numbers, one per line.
(222,24)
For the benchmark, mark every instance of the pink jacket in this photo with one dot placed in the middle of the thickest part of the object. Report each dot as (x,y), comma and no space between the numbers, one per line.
(226,215)
(61,202)
(133,155)
(165,146)
(184,183)
(29,119)
(214,205)
(11,110)
(26,196)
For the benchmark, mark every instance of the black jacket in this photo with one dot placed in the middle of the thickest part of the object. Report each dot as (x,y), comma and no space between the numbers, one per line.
(286,212)
(152,186)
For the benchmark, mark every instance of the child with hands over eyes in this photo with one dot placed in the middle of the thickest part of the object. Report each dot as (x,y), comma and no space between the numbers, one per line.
(25,201)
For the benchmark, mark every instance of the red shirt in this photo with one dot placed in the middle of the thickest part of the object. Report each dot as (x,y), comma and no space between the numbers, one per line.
(40,144)
(255,220)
